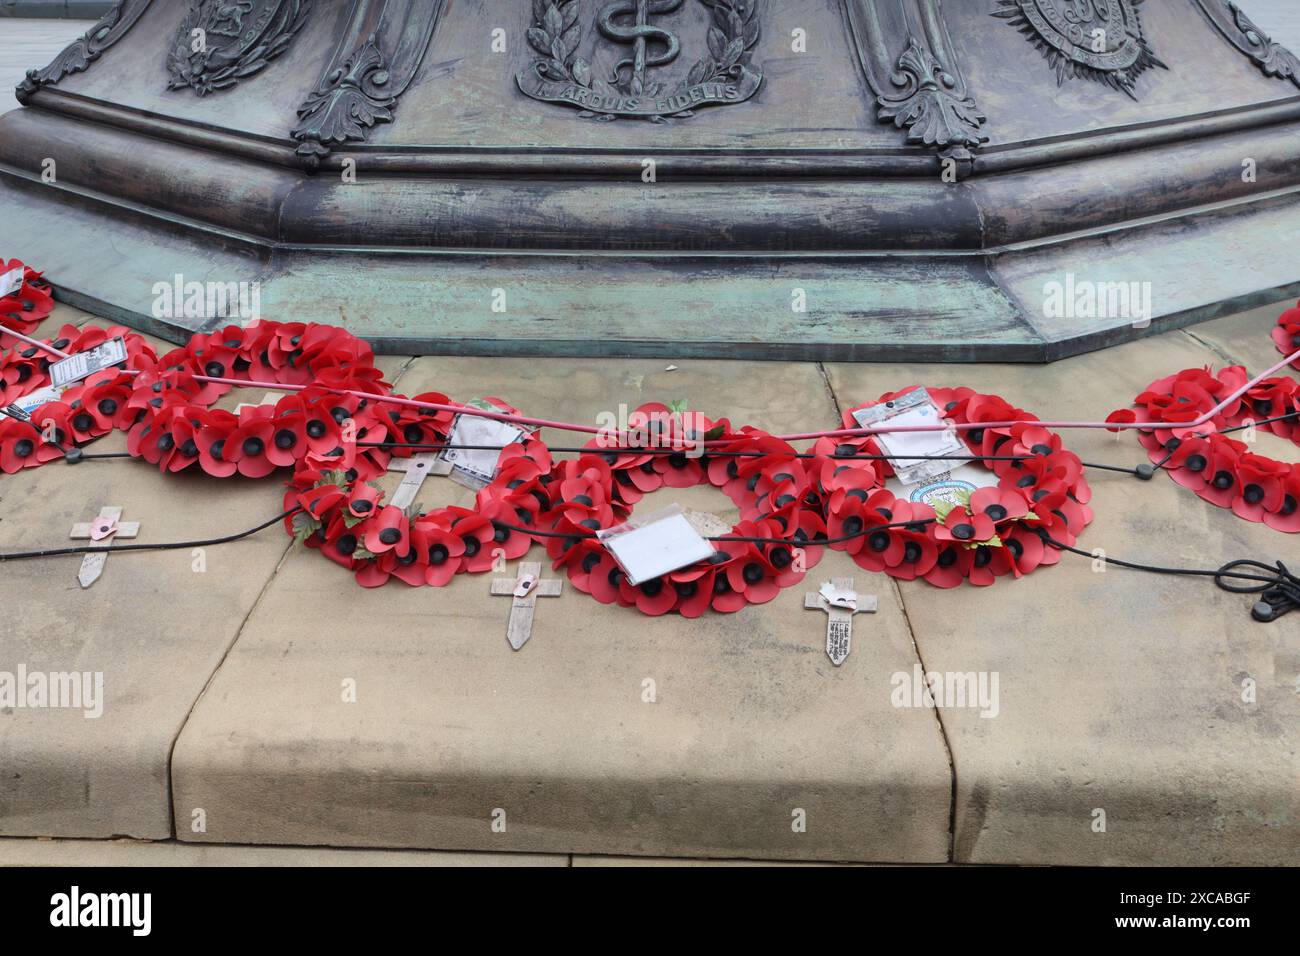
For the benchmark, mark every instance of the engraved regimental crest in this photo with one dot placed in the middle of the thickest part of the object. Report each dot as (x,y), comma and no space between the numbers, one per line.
(642,34)
(1097,39)
(220,42)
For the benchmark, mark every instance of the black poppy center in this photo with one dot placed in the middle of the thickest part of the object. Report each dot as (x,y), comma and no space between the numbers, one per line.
(1253,494)
(852,524)
(316,428)
(390,536)
(879,541)
(347,544)
(23,448)
(963,532)
(253,446)
(472,546)
(217,448)
(780,557)
(1223,480)
(653,587)
(1196,462)
(285,439)
(438,554)
(753,572)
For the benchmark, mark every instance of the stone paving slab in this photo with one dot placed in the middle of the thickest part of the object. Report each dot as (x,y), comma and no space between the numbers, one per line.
(154,626)
(119,853)
(1243,339)
(1120,692)
(452,731)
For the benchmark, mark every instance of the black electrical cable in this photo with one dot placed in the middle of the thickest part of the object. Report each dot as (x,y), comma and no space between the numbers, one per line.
(710,453)
(1278,588)
(812,542)
(166,546)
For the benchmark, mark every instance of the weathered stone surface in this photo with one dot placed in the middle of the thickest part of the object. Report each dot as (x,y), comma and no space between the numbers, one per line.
(1245,338)
(749,723)
(154,625)
(1119,691)
(118,853)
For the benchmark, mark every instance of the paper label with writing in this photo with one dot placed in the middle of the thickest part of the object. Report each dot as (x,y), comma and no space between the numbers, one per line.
(917,456)
(476,467)
(76,367)
(24,408)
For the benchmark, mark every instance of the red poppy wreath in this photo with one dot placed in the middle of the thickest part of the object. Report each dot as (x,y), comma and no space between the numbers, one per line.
(1220,469)
(776,492)
(989,532)
(343,515)
(164,403)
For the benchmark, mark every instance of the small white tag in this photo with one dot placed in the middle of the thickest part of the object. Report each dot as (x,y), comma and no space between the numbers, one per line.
(910,410)
(839,597)
(29,403)
(74,368)
(11,282)
(655,545)
(477,467)
(708,524)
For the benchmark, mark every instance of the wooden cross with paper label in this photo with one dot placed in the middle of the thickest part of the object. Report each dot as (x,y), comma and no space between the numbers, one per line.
(101,533)
(525,589)
(840,602)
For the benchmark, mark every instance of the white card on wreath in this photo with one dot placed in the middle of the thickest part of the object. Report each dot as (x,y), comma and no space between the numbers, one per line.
(476,467)
(655,545)
(11,282)
(917,456)
(76,367)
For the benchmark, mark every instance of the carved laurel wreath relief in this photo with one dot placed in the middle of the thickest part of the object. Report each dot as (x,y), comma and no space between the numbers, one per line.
(645,42)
